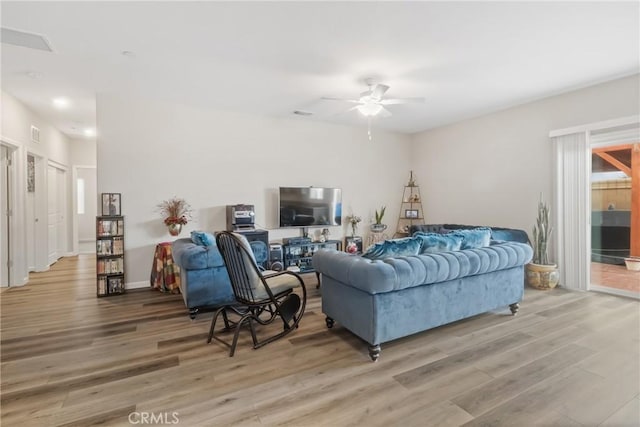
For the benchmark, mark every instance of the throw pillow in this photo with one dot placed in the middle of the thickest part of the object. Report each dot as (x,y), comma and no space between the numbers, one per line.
(203,238)
(394,248)
(474,238)
(434,242)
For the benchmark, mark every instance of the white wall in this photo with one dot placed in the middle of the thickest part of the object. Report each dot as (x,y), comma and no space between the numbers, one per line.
(150,152)
(82,151)
(16,121)
(491,170)
(16,125)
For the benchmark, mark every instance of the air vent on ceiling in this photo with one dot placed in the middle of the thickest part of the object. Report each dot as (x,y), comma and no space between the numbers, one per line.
(23,39)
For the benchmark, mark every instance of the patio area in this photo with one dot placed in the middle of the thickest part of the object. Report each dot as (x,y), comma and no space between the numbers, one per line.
(615,277)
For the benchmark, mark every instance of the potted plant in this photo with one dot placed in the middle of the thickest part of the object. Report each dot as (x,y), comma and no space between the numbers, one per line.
(541,273)
(378,226)
(176,213)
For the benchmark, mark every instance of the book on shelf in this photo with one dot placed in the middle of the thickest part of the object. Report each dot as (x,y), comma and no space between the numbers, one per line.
(104,247)
(102,286)
(116,285)
(118,246)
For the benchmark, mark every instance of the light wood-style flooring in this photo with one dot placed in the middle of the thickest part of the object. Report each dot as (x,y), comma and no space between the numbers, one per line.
(71,359)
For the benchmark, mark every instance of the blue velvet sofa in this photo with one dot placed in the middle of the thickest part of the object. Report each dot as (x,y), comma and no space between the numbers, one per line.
(382,300)
(204,281)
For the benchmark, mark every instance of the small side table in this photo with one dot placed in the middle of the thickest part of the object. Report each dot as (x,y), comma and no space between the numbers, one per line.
(165,275)
(375,237)
(353,239)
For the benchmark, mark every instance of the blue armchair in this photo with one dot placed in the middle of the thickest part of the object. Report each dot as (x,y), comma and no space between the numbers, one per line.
(204,282)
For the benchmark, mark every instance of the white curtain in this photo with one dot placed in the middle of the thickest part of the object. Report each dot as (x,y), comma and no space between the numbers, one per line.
(572,213)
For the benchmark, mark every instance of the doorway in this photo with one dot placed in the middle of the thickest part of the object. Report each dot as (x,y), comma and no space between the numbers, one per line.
(615,177)
(56,212)
(5,219)
(86,208)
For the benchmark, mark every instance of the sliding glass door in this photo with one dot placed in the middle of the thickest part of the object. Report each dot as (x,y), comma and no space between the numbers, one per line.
(614,207)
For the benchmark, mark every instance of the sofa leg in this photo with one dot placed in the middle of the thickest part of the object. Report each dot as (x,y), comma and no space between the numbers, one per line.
(192,313)
(374,352)
(514,308)
(329,322)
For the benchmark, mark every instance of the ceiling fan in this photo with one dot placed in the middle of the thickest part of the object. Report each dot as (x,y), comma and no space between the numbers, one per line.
(371,102)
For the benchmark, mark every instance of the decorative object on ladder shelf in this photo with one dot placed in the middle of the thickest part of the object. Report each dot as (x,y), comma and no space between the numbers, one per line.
(176,213)
(411,211)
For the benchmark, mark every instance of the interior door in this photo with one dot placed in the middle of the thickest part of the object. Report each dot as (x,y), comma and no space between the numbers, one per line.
(53,213)
(4,219)
(61,204)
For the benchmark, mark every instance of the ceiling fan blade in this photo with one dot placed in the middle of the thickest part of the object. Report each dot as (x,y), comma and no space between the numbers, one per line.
(341,112)
(402,101)
(378,91)
(353,101)
(384,113)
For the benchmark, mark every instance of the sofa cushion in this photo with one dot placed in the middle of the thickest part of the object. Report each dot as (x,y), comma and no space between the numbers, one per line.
(190,256)
(394,248)
(508,234)
(497,233)
(473,239)
(434,242)
(203,238)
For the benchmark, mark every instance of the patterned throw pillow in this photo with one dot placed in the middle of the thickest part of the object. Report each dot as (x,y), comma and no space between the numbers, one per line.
(473,238)
(434,242)
(394,248)
(203,238)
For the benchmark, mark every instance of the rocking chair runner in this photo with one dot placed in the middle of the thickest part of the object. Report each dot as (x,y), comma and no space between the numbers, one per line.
(260,298)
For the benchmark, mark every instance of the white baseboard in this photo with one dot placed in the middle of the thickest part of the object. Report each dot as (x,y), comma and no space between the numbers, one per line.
(137,285)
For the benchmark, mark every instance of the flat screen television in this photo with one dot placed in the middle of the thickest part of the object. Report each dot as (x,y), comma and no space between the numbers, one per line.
(309,207)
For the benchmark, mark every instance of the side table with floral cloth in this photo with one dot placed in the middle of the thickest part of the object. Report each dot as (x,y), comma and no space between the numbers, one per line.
(165,275)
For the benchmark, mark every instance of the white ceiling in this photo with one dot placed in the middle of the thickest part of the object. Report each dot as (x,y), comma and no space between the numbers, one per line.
(271,58)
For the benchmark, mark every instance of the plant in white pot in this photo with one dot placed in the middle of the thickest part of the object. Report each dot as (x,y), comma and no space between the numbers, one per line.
(541,273)
(378,226)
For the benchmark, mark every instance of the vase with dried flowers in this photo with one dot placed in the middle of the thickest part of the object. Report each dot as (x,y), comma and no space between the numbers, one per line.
(176,213)
(354,220)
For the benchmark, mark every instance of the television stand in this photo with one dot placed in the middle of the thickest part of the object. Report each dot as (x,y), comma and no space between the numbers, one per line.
(300,254)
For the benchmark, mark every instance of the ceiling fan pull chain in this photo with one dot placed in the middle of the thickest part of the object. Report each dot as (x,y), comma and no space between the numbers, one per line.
(369,127)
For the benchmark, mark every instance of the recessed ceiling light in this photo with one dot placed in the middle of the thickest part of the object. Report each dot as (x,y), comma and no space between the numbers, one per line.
(89,132)
(61,102)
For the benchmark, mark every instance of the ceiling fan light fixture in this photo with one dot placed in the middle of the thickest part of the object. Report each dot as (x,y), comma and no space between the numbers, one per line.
(369,109)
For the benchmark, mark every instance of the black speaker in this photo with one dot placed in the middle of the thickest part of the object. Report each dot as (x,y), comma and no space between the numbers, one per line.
(275,257)
(261,236)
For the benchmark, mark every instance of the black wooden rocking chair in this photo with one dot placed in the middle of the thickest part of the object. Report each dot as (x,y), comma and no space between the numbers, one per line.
(259,298)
